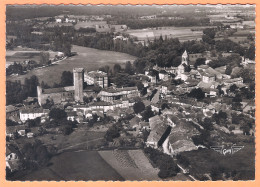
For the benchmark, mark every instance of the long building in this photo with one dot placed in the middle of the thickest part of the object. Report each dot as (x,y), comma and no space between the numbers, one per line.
(111,94)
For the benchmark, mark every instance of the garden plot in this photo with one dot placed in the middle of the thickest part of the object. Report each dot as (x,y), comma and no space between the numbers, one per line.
(131,164)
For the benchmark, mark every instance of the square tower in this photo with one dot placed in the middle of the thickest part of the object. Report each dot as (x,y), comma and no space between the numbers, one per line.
(78,76)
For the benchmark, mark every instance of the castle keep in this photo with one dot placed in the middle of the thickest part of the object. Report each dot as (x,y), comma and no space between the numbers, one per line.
(64,94)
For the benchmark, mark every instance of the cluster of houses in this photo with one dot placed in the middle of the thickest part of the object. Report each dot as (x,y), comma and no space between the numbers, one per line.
(171,129)
(204,77)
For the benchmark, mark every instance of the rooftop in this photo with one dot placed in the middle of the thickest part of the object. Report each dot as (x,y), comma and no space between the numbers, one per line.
(10,108)
(97,74)
(34,110)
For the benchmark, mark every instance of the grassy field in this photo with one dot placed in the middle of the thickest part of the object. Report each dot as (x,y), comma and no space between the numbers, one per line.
(203,161)
(88,58)
(19,54)
(131,164)
(183,33)
(75,166)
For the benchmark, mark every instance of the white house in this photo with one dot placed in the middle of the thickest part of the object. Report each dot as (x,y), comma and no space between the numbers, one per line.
(32,113)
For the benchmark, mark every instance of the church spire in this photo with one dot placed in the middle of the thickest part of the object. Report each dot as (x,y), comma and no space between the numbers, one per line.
(184,58)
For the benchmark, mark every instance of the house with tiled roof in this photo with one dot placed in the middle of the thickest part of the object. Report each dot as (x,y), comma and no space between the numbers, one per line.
(12,158)
(180,139)
(163,75)
(32,113)
(167,87)
(154,121)
(11,111)
(158,135)
(153,75)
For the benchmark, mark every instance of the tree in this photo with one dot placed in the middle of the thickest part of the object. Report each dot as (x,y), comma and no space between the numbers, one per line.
(44,58)
(117,68)
(183,160)
(35,154)
(11,123)
(128,68)
(207,124)
(31,85)
(140,86)
(199,61)
(207,39)
(228,70)
(104,69)
(67,129)
(66,78)
(197,93)
(210,32)
(250,53)
(139,107)
(148,113)
(165,105)
(57,114)
(66,49)
(112,133)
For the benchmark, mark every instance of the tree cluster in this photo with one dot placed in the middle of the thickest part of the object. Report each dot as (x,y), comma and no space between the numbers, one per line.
(167,166)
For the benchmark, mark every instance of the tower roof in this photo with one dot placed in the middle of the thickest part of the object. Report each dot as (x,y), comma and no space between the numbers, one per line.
(79,70)
(185,53)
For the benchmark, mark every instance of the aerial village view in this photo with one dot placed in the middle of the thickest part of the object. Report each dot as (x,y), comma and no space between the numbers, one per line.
(119,93)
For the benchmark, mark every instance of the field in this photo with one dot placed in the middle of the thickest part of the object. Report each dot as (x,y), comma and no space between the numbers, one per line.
(19,54)
(183,33)
(203,161)
(131,164)
(89,24)
(97,165)
(75,166)
(88,58)
(81,138)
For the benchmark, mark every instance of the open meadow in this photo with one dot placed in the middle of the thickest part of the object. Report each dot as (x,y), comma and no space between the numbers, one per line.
(89,58)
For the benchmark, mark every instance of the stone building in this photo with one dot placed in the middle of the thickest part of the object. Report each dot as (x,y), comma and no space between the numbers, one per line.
(64,94)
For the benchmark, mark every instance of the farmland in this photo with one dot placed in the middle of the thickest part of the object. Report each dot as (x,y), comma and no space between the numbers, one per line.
(82,165)
(89,24)
(88,58)
(131,164)
(20,54)
(97,165)
(183,33)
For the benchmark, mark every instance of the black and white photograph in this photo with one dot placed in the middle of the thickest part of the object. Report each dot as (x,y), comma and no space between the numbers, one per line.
(130,92)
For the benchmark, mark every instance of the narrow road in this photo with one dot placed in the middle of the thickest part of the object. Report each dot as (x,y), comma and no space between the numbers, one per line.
(184,172)
(80,144)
